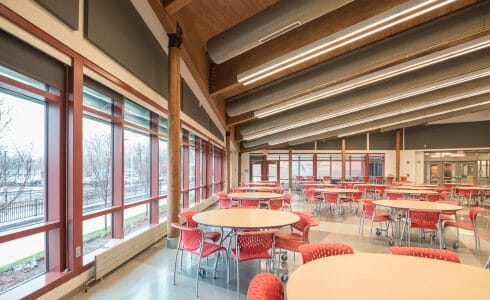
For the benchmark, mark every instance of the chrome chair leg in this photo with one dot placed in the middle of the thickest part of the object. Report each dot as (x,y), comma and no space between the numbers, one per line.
(197,276)
(176,258)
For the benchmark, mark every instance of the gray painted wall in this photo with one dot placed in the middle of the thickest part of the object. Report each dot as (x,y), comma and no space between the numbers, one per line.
(65,10)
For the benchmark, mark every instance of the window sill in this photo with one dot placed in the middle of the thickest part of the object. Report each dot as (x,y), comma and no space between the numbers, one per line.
(37,286)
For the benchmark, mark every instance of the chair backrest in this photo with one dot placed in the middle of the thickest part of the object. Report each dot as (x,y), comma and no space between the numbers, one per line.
(403,178)
(474,213)
(464,192)
(443,195)
(304,224)
(426,252)
(276,204)
(265,286)
(254,242)
(309,194)
(187,215)
(433,198)
(355,178)
(424,217)
(379,189)
(389,179)
(330,197)
(309,178)
(395,196)
(326,178)
(356,196)
(362,188)
(349,185)
(191,239)
(379,179)
(315,251)
(368,207)
(287,198)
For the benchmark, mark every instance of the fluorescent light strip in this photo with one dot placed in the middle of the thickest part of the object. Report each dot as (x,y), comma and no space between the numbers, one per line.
(388,114)
(414,119)
(388,99)
(317,51)
(393,71)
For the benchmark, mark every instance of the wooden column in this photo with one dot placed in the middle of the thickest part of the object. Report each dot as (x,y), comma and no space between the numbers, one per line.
(290,171)
(397,163)
(228,162)
(174,144)
(239,168)
(315,167)
(343,158)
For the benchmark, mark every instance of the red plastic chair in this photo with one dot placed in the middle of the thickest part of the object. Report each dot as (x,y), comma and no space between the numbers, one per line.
(379,179)
(443,195)
(468,226)
(287,201)
(315,251)
(465,197)
(252,245)
(326,178)
(425,221)
(432,198)
(331,199)
(366,179)
(486,237)
(225,202)
(265,286)
(403,178)
(192,241)
(426,253)
(379,190)
(311,196)
(369,211)
(395,196)
(355,178)
(213,236)
(276,204)
(389,179)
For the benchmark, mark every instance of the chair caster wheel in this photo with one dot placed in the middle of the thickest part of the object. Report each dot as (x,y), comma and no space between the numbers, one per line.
(284,277)
(284,257)
(202,272)
(455,245)
(378,232)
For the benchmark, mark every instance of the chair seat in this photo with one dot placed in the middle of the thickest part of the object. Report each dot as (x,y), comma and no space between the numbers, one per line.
(382,218)
(249,256)
(423,226)
(212,236)
(207,249)
(288,244)
(459,225)
(289,236)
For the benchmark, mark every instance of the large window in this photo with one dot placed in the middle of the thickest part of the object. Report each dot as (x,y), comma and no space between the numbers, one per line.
(23,126)
(136,165)
(302,165)
(97,153)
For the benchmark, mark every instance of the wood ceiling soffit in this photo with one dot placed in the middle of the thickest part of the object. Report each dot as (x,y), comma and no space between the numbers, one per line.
(194,56)
(226,85)
(248,116)
(173,6)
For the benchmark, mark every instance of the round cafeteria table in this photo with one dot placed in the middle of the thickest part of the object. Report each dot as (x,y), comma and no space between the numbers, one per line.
(259,188)
(254,196)
(408,205)
(412,192)
(473,188)
(386,276)
(413,187)
(336,190)
(246,218)
(261,183)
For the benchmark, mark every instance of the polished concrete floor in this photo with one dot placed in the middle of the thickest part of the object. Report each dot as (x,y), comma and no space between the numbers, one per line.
(149,275)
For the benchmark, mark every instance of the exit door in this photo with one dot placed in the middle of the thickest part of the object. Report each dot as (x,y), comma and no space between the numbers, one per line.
(272,171)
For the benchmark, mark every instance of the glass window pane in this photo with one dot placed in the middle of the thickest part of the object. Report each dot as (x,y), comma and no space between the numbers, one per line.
(163,169)
(21,78)
(136,166)
(136,218)
(136,114)
(96,233)
(22,259)
(97,164)
(22,150)
(163,128)
(96,100)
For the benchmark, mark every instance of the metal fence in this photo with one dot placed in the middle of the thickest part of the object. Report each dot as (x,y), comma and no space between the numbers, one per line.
(19,210)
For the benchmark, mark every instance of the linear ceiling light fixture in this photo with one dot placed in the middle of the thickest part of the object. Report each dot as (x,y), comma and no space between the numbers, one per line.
(425,61)
(370,104)
(413,119)
(392,17)
(381,116)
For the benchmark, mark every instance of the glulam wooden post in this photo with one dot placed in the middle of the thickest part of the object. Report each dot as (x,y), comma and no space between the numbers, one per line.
(290,171)
(174,143)
(228,162)
(397,163)
(343,159)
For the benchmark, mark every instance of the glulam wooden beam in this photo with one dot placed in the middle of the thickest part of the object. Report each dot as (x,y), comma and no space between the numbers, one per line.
(174,143)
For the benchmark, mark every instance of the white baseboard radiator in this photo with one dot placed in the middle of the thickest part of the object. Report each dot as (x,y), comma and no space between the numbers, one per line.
(123,250)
